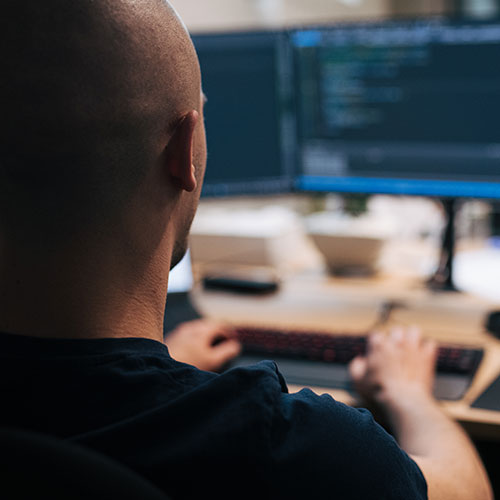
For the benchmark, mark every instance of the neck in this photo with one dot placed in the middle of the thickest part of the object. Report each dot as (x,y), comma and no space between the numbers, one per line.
(83,292)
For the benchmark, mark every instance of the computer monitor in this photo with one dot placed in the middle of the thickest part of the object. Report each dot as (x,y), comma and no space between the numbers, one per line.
(249,118)
(401,107)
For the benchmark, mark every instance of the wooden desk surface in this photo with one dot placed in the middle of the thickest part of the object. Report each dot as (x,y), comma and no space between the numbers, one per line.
(315,302)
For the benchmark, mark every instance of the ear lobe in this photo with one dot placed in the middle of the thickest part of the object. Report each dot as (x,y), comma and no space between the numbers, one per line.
(179,153)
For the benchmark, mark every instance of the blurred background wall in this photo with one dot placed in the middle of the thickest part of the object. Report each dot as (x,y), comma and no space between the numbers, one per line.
(220,15)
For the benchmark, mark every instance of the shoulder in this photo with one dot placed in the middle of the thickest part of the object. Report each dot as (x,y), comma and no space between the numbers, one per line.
(318,438)
(258,387)
(311,443)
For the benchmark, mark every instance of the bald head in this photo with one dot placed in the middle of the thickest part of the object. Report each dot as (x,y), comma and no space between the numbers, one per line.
(89,92)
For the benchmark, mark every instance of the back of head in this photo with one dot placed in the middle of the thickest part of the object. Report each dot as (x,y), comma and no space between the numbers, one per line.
(88,91)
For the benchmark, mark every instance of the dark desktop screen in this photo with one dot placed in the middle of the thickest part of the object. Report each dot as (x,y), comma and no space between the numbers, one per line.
(402,107)
(245,78)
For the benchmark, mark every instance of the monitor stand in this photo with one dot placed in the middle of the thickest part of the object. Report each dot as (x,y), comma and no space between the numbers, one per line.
(443,277)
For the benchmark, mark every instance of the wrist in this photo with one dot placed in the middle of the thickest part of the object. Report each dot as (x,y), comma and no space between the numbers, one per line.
(405,397)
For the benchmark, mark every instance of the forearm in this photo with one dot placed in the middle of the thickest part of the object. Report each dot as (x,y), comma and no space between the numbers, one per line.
(440,447)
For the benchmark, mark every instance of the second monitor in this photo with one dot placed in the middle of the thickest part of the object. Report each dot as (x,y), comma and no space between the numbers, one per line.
(249,119)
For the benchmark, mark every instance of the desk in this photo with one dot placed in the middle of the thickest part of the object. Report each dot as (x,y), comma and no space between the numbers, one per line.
(316,302)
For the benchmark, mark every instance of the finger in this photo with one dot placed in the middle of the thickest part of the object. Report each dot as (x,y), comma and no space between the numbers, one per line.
(414,336)
(375,342)
(357,368)
(431,349)
(225,351)
(213,331)
(375,338)
(397,335)
(229,332)
(225,329)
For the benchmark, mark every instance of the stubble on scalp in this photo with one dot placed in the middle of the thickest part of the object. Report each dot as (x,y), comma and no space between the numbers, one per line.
(89,91)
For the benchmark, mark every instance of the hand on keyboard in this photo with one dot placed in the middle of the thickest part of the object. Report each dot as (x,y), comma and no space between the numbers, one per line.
(206,344)
(321,359)
(400,364)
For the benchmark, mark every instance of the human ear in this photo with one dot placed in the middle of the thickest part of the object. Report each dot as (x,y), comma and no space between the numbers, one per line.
(179,152)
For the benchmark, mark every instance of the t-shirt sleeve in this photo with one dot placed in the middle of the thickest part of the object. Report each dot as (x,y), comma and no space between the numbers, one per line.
(321,448)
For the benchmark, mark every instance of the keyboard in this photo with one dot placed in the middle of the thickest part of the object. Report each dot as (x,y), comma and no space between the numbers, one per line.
(321,359)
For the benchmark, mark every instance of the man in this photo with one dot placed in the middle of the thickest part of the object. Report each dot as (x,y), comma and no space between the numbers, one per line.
(102,163)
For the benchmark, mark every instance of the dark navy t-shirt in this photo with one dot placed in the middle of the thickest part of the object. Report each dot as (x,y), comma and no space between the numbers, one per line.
(198,434)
